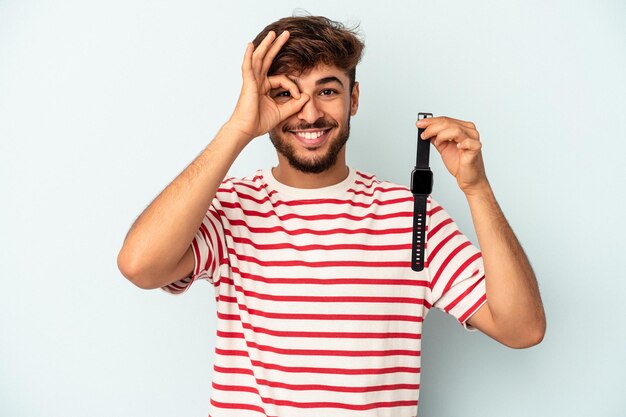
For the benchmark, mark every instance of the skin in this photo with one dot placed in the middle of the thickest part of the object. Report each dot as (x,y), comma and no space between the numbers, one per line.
(157,249)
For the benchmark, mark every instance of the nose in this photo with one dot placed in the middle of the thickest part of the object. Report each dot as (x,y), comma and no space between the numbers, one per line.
(310,112)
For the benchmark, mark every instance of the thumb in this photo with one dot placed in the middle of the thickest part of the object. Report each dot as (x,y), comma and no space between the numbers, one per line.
(293,106)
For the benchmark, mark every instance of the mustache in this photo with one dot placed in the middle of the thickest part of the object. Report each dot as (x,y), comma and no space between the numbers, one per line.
(318,124)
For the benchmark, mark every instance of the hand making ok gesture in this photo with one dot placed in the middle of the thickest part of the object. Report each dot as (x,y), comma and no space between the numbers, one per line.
(256,112)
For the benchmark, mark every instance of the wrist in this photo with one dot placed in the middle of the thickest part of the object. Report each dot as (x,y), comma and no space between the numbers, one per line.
(481,190)
(234,133)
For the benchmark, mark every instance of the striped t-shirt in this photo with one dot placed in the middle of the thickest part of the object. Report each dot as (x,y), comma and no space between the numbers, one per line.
(318,311)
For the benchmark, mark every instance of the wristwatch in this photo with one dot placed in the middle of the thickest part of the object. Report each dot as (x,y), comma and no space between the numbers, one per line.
(421,187)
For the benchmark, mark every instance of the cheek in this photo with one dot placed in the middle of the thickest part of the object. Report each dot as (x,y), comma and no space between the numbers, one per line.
(340,112)
(290,122)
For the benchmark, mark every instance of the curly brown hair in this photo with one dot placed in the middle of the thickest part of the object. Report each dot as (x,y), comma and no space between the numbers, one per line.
(314,40)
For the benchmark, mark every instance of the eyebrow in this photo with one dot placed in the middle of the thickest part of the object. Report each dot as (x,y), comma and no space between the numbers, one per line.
(321,81)
(327,80)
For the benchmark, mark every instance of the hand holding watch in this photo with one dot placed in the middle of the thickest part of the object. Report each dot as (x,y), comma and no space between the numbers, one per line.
(421,187)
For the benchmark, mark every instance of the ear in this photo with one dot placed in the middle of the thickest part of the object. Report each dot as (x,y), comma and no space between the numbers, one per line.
(354,99)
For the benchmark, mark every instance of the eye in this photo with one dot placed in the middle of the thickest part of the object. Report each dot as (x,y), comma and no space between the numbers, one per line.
(328,92)
(282,95)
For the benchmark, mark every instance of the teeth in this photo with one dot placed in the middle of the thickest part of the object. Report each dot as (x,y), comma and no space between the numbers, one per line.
(310,135)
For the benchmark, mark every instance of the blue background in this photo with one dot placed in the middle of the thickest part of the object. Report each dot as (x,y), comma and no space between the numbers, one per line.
(102,103)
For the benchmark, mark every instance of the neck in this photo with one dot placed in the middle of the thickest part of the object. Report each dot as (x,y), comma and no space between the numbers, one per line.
(286,174)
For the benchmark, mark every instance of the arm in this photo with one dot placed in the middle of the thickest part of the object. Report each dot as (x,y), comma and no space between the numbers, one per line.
(514,313)
(157,250)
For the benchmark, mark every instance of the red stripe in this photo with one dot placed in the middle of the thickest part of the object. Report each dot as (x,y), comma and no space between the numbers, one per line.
(210,260)
(461,268)
(367,177)
(196,251)
(229,335)
(445,263)
(320,264)
(310,316)
(330,281)
(407,403)
(317,352)
(290,216)
(236,406)
(176,289)
(332,335)
(228,186)
(327,232)
(231,370)
(357,182)
(337,371)
(434,210)
(302,248)
(217,234)
(301,369)
(231,352)
(261,187)
(314,201)
(377,190)
(234,388)
(441,244)
(471,310)
(462,296)
(233,300)
(370,406)
(323,299)
(320,387)
(434,230)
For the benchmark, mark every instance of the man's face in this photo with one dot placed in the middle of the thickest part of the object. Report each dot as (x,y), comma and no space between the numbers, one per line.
(312,139)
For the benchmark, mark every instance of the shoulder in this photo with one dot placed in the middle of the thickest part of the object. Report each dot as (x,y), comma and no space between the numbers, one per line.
(235,188)
(368,182)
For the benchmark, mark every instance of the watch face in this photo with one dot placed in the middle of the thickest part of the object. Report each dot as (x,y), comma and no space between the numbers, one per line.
(422,181)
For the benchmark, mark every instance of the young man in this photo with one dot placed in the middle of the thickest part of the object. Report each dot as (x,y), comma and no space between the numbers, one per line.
(319,312)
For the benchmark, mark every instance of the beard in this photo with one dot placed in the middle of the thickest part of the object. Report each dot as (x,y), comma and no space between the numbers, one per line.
(315,164)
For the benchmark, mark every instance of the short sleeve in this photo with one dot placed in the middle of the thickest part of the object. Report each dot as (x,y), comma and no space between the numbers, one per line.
(208,251)
(455,266)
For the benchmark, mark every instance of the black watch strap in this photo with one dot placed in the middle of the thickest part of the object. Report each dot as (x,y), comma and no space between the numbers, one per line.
(419,201)
(419,232)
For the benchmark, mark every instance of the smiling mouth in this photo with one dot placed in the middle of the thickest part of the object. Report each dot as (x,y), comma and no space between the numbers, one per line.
(311,138)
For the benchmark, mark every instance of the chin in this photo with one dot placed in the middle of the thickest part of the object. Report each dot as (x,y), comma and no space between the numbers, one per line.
(324,157)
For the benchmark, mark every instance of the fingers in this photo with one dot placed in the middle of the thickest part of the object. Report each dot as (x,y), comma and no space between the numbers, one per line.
(444,119)
(257,61)
(273,51)
(446,129)
(260,52)
(246,66)
(287,104)
(452,134)
(293,106)
(470,145)
(282,82)
(265,53)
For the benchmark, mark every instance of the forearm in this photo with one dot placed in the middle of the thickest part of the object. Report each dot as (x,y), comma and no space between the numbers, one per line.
(512,291)
(162,234)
